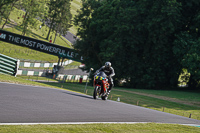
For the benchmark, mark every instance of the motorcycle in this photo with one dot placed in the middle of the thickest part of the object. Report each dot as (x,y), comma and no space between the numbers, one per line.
(100,86)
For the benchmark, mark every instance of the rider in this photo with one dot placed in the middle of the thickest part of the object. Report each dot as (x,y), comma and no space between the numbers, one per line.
(109,71)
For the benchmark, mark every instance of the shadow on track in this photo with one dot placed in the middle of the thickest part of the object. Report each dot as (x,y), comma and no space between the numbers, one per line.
(78,95)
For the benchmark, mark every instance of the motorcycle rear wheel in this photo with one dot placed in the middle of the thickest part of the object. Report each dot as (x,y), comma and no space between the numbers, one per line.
(96,93)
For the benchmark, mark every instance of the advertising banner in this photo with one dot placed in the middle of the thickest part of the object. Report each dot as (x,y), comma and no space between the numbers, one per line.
(39,45)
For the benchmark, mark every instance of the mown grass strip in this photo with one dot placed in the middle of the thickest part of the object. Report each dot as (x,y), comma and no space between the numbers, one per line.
(176,94)
(101,128)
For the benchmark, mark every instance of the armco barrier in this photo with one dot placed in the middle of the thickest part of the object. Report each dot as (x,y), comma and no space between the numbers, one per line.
(8,65)
(37,64)
(72,78)
(59,76)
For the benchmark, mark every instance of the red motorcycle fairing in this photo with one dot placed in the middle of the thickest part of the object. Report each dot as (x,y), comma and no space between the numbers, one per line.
(105,84)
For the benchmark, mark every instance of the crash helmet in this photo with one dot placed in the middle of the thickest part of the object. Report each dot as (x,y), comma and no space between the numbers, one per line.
(107,64)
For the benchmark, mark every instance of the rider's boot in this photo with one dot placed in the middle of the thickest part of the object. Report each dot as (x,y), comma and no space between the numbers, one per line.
(109,90)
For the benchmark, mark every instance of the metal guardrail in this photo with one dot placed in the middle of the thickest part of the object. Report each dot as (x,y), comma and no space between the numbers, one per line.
(8,65)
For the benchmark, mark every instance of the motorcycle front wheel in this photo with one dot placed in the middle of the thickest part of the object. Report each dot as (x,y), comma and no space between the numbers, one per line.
(96,92)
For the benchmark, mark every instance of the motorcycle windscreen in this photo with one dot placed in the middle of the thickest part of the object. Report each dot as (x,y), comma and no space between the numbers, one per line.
(102,74)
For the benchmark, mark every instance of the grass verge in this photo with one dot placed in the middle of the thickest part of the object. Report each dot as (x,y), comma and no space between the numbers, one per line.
(24,81)
(101,128)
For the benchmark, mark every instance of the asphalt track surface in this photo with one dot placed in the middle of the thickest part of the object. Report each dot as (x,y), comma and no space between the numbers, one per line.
(70,37)
(28,104)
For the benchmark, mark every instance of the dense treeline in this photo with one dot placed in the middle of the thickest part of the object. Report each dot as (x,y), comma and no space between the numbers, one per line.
(54,13)
(149,43)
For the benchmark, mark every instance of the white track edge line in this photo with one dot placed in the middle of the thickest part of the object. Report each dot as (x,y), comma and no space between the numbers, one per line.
(61,123)
(78,123)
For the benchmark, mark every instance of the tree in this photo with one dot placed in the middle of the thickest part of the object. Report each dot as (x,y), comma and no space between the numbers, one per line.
(148,42)
(34,9)
(88,46)
(5,9)
(59,17)
(7,12)
(186,45)
(136,36)
(5,2)
(63,21)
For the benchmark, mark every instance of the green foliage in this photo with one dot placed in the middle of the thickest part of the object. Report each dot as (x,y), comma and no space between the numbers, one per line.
(191,62)
(38,9)
(59,16)
(142,38)
(186,45)
(5,9)
(34,9)
(5,3)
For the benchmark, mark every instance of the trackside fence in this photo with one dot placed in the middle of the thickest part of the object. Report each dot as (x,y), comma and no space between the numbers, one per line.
(8,65)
